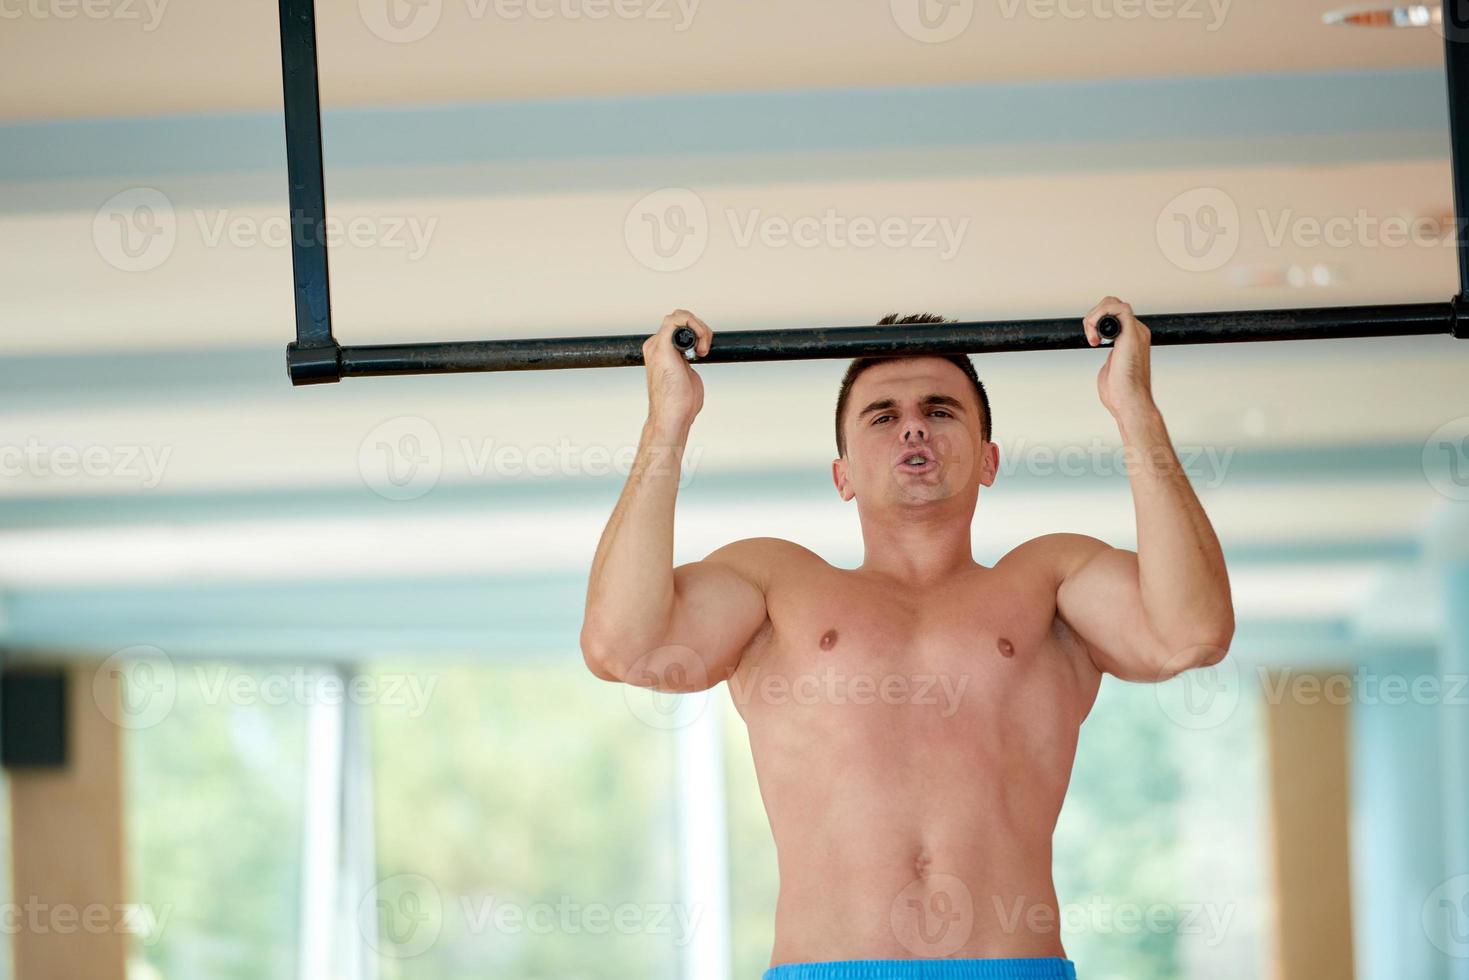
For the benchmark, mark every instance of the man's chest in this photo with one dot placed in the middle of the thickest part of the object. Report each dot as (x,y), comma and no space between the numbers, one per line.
(834,640)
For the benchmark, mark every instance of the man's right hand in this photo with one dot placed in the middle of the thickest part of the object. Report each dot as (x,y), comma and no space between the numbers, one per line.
(675,392)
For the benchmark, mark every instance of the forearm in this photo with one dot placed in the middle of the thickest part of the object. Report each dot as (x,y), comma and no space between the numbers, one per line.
(630,593)
(1182,577)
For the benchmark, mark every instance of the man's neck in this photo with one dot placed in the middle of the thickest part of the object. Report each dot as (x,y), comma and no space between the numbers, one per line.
(916,551)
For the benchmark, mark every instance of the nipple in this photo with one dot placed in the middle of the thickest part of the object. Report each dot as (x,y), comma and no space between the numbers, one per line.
(1007,649)
(828,639)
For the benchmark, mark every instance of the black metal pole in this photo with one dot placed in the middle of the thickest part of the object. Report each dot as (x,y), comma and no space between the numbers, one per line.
(1456,68)
(316,357)
(553,353)
(313,357)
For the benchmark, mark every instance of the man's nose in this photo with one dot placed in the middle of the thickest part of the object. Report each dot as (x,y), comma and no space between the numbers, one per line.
(915,429)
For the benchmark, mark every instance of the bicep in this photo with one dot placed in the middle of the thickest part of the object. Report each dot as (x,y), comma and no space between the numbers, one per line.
(1100,598)
(718,605)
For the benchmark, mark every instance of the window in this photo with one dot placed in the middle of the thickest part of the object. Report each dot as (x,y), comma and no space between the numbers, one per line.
(525,828)
(1159,860)
(213,822)
(754,878)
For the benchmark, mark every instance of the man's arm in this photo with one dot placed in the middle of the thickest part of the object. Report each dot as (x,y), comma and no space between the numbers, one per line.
(1166,608)
(646,622)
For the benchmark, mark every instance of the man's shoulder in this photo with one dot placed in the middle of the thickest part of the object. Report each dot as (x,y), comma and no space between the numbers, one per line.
(758,557)
(1062,551)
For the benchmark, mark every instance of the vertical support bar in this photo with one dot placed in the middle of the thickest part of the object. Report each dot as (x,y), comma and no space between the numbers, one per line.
(68,845)
(358,960)
(321,841)
(314,356)
(1456,67)
(1445,910)
(703,842)
(1309,796)
(1397,830)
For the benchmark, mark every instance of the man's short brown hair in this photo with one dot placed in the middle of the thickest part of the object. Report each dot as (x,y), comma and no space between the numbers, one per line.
(961,361)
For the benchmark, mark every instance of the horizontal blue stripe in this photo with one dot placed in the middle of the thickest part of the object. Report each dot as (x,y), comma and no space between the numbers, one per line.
(974,115)
(1257,467)
(1049,968)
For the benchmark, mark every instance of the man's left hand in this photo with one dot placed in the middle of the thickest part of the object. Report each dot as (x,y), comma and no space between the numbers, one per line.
(1125,381)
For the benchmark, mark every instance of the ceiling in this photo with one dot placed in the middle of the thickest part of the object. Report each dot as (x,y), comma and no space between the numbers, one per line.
(145,57)
(497,172)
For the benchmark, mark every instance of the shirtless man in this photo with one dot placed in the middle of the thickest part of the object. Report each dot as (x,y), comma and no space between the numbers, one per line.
(913,720)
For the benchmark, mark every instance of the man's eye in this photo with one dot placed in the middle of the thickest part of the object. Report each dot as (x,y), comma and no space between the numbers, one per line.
(880,418)
(938,411)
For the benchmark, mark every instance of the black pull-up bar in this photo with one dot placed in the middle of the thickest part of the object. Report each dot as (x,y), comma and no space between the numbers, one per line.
(684,339)
(316,357)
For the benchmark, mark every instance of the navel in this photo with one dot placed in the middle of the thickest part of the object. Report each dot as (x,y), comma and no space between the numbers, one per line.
(828,639)
(1007,649)
(922,862)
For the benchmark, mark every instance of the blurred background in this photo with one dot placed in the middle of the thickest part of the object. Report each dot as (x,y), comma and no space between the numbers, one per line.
(311,654)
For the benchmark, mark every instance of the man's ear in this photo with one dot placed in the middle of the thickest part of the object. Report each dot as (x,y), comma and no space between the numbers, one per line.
(989,463)
(839,477)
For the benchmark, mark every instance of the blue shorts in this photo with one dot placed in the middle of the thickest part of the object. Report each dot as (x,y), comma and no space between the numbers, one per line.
(1046,968)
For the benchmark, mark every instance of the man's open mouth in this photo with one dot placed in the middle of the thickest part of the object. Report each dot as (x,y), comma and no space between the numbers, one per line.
(917,463)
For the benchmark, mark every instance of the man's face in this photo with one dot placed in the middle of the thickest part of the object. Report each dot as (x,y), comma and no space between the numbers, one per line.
(914,436)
